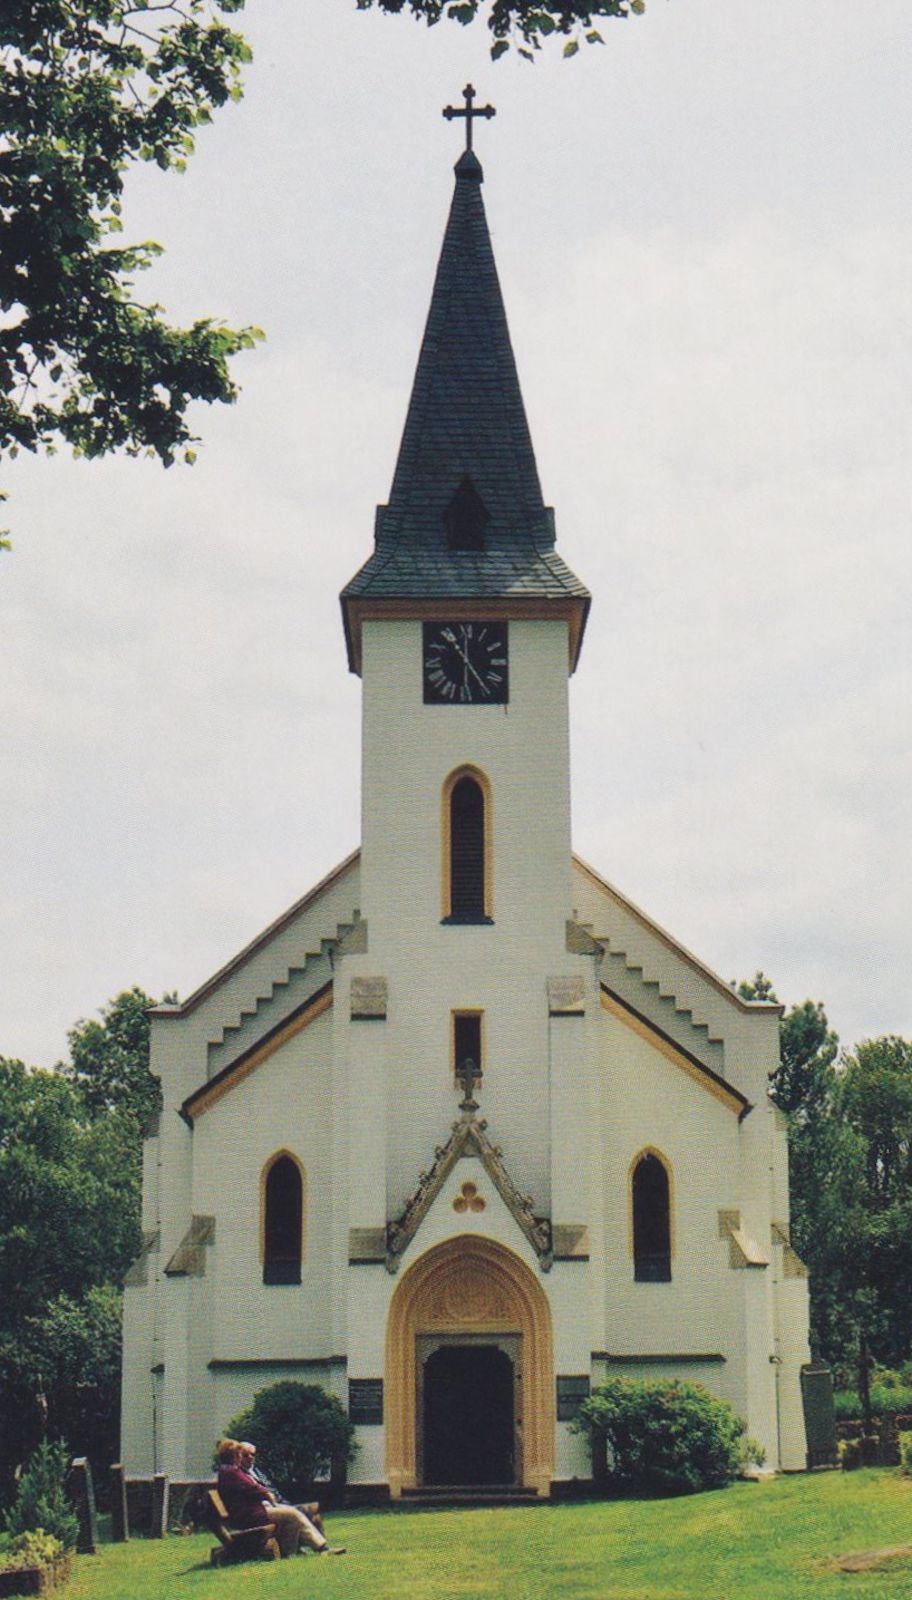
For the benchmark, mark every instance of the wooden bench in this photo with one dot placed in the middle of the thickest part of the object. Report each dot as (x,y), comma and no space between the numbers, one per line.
(238,1544)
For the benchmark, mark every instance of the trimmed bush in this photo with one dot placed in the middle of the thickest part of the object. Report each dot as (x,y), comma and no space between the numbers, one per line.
(299,1431)
(41,1500)
(666,1437)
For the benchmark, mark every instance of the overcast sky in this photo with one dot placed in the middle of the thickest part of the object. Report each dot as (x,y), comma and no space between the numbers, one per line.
(703,235)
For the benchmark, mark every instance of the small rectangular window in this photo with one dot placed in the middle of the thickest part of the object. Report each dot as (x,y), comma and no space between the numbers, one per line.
(467,1044)
(571,1392)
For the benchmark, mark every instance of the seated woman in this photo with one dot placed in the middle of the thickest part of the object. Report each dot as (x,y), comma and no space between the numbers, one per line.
(243,1498)
(247,1505)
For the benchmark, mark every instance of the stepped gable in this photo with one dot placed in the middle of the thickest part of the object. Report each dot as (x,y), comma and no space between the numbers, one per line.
(466,442)
(291,954)
(625,981)
(624,930)
(310,972)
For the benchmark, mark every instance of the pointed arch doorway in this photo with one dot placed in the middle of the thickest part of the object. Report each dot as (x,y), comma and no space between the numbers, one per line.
(469,1371)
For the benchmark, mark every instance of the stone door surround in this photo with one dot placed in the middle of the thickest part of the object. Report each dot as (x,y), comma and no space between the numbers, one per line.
(469,1286)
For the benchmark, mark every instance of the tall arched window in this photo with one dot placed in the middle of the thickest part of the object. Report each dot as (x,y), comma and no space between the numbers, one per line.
(283,1220)
(651,1220)
(467,824)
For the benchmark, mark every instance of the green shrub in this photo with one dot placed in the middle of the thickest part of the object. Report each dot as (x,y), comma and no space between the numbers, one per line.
(299,1431)
(667,1437)
(34,1549)
(905,1453)
(895,1397)
(41,1499)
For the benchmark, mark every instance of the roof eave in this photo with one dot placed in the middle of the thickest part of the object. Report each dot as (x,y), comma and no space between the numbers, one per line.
(356,609)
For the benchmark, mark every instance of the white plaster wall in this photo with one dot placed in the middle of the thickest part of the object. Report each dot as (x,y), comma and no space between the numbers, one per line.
(792,1313)
(284,1105)
(176,1305)
(408,751)
(136,1432)
(204,1426)
(571,1454)
(650,1102)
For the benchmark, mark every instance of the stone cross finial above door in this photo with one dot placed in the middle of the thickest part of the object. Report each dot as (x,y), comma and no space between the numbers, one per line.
(469,111)
(469,1076)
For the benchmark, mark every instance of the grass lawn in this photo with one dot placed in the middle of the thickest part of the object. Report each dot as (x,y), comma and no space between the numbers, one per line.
(769,1541)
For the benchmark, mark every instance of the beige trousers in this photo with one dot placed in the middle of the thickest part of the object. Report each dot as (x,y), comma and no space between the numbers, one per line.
(294,1528)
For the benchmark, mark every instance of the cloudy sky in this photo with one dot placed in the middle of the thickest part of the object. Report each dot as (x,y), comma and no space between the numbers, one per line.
(703,234)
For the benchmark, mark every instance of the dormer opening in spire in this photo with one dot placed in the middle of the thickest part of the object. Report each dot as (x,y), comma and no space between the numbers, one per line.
(466,517)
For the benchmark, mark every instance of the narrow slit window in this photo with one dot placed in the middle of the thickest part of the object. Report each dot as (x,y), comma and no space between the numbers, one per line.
(651,1221)
(466,518)
(467,851)
(467,1046)
(283,1222)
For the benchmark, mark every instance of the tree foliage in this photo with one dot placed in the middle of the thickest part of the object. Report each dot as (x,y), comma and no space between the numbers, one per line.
(41,1500)
(68,1189)
(299,1430)
(109,1060)
(523,24)
(807,1050)
(876,1099)
(90,86)
(72,1360)
(70,1170)
(850,1177)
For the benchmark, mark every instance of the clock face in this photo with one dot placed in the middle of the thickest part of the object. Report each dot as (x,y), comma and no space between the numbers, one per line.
(465,663)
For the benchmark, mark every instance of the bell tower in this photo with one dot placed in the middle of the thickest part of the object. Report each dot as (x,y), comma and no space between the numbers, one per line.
(464,625)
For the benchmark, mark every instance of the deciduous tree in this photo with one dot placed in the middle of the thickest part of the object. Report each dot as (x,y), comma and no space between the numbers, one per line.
(69,1227)
(89,87)
(109,1060)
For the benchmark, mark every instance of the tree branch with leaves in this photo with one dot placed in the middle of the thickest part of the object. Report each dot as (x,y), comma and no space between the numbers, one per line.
(522,25)
(88,87)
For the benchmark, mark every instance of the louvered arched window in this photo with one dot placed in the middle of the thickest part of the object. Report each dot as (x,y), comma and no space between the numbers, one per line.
(467,825)
(651,1199)
(283,1219)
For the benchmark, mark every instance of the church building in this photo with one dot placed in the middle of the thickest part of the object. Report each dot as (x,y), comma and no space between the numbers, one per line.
(464,1132)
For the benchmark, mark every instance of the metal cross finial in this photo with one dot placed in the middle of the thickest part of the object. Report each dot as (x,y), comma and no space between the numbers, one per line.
(468,111)
(468,1076)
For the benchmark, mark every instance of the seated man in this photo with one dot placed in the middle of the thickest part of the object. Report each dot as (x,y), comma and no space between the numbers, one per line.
(310,1523)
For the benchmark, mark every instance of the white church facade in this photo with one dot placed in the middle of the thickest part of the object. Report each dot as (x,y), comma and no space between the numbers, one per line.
(464,1131)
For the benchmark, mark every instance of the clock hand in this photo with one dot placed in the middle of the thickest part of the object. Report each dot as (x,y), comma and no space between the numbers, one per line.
(476,675)
(469,665)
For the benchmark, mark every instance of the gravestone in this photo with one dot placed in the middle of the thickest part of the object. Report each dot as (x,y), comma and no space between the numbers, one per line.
(888,1452)
(120,1519)
(81,1491)
(819,1414)
(161,1487)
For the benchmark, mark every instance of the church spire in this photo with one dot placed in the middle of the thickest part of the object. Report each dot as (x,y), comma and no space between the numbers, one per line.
(466,518)
(466,415)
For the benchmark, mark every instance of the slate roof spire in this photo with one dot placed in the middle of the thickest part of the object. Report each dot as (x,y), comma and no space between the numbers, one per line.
(465,433)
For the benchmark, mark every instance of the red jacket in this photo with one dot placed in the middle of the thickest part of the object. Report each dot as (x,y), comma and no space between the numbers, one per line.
(243,1497)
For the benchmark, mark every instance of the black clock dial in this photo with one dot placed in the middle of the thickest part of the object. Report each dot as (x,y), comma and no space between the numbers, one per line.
(465,663)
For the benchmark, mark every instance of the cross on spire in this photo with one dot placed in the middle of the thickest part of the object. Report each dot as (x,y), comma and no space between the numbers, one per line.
(468,111)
